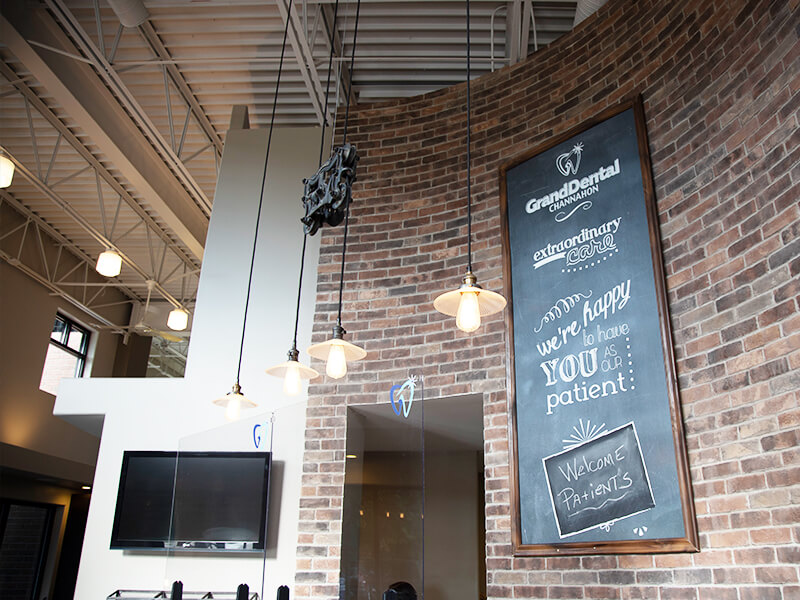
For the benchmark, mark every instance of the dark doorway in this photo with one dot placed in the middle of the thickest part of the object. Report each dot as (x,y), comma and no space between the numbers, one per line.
(25,529)
(70,558)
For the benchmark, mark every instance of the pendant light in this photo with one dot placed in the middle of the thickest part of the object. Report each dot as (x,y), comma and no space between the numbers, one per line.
(109,263)
(235,400)
(178,319)
(470,301)
(292,371)
(336,351)
(6,171)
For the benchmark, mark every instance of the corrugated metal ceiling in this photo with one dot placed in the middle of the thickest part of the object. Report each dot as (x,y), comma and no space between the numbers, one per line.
(178,76)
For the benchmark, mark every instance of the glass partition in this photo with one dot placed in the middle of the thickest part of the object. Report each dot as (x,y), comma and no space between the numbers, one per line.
(412,510)
(227,501)
(414,497)
(219,507)
(383,527)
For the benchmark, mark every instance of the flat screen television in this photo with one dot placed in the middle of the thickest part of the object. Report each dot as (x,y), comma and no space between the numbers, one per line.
(192,501)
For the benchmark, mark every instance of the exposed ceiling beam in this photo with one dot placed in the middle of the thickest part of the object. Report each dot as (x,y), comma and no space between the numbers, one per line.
(76,87)
(98,235)
(106,72)
(305,59)
(525,27)
(76,144)
(338,51)
(46,274)
(151,38)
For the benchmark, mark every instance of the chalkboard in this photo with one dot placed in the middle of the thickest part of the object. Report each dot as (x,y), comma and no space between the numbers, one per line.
(598,481)
(599,460)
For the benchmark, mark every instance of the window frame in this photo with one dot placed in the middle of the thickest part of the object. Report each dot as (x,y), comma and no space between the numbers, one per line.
(71,325)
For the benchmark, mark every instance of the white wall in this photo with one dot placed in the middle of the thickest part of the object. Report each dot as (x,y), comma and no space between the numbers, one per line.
(175,414)
(31,438)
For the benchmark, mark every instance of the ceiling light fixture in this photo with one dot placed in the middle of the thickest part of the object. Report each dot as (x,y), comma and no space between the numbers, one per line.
(178,319)
(292,371)
(470,301)
(109,263)
(325,205)
(234,400)
(6,171)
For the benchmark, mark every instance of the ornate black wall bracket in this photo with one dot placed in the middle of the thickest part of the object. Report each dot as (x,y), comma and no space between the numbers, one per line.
(328,193)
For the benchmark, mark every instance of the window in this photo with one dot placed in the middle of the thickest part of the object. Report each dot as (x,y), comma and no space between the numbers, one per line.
(66,353)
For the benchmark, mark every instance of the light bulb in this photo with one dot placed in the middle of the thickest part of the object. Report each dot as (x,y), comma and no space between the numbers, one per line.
(234,407)
(6,172)
(291,380)
(178,319)
(468,317)
(337,363)
(109,263)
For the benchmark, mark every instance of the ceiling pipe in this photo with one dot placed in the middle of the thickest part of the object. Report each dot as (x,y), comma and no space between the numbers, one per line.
(586,8)
(131,13)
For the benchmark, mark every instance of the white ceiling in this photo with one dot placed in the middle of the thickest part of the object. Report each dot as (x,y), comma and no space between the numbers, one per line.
(117,131)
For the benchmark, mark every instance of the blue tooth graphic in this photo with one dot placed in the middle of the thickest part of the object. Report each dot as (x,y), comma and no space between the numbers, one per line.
(569,162)
(401,404)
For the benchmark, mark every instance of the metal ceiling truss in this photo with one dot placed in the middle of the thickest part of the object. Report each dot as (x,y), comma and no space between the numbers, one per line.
(39,251)
(98,116)
(178,224)
(65,133)
(156,260)
(97,57)
(167,358)
(107,237)
(342,66)
(31,245)
(193,106)
(304,57)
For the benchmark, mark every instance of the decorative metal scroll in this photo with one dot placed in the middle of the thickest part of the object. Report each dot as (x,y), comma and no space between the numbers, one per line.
(328,193)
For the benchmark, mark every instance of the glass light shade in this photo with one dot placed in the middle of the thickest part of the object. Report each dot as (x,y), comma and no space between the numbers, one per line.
(233,402)
(292,381)
(336,352)
(234,408)
(109,263)
(336,366)
(6,172)
(178,319)
(468,316)
(293,374)
(450,303)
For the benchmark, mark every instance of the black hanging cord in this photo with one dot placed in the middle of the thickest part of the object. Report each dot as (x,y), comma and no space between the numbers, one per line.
(293,351)
(332,37)
(350,84)
(469,172)
(341,275)
(344,140)
(261,195)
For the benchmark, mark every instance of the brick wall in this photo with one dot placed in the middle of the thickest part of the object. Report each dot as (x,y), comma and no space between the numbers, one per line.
(720,82)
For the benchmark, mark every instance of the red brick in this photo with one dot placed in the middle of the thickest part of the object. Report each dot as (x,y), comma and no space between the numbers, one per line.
(718,91)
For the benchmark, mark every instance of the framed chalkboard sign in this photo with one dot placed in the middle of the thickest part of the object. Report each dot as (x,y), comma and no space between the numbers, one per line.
(599,459)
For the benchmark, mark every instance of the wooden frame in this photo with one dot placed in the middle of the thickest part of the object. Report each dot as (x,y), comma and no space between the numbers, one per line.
(655,512)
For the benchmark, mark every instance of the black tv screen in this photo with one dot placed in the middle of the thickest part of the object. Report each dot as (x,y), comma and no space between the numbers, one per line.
(192,501)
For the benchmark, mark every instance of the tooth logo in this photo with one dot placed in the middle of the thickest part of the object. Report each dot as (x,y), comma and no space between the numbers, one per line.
(569,162)
(401,405)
